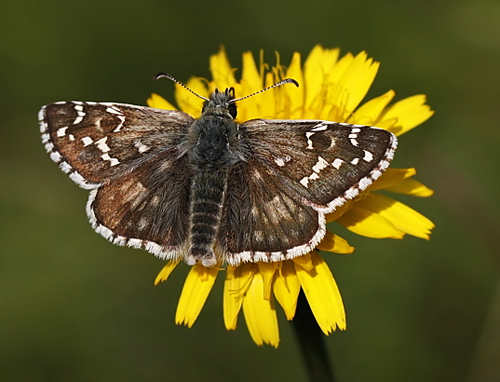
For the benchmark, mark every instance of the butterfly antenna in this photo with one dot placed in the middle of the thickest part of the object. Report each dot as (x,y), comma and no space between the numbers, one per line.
(285,81)
(171,78)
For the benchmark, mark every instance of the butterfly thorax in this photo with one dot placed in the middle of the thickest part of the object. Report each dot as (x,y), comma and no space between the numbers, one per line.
(213,147)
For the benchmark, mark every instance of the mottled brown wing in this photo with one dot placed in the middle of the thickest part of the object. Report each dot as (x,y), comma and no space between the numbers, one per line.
(296,172)
(129,157)
(93,142)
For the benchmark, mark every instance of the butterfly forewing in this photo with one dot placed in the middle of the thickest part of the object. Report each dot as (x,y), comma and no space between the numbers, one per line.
(319,162)
(94,142)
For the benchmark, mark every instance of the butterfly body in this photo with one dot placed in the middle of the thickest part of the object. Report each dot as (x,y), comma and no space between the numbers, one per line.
(211,190)
(213,145)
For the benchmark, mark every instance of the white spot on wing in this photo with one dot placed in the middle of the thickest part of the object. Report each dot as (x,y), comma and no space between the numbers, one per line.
(365,182)
(101,145)
(122,120)
(45,138)
(78,179)
(55,156)
(320,165)
(65,167)
(309,142)
(87,141)
(332,143)
(134,243)
(81,114)
(282,161)
(141,147)
(114,110)
(104,231)
(61,132)
(143,223)
(153,248)
(320,127)
(120,240)
(113,161)
(49,146)
(337,163)
(305,181)
(368,156)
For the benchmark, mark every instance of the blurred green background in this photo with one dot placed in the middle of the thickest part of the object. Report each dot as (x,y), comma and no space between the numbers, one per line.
(73,307)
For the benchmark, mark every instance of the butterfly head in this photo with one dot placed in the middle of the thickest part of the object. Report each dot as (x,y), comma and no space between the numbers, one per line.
(221,104)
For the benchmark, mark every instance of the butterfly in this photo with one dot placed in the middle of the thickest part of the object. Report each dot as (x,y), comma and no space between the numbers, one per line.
(211,190)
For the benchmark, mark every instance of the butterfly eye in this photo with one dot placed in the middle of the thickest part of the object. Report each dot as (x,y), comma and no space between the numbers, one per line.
(232,110)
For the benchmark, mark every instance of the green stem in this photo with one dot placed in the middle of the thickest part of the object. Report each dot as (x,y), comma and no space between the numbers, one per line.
(312,344)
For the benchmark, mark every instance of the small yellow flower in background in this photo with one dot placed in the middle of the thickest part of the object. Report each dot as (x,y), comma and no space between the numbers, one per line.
(331,88)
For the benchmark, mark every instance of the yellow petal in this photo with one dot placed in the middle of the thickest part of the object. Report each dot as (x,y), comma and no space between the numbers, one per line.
(357,79)
(409,112)
(367,223)
(232,300)
(267,100)
(400,215)
(196,289)
(260,314)
(222,73)
(296,96)
(251,81)
(391,177)
(159,102)
(335,95)
(287,288)
(187,101)
(304,261)
(322,294)
(313,76)
(411,187)
(166,271)
(319,64)
(339,211)
(340,67)
(250,76)
(235,286)
(369,113)
(267,270)
(334,243)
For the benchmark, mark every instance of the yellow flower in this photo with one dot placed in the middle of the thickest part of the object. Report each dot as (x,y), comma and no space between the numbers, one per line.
(331,88)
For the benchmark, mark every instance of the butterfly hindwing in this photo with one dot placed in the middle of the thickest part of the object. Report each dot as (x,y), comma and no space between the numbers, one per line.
(261,221)
(147,207)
